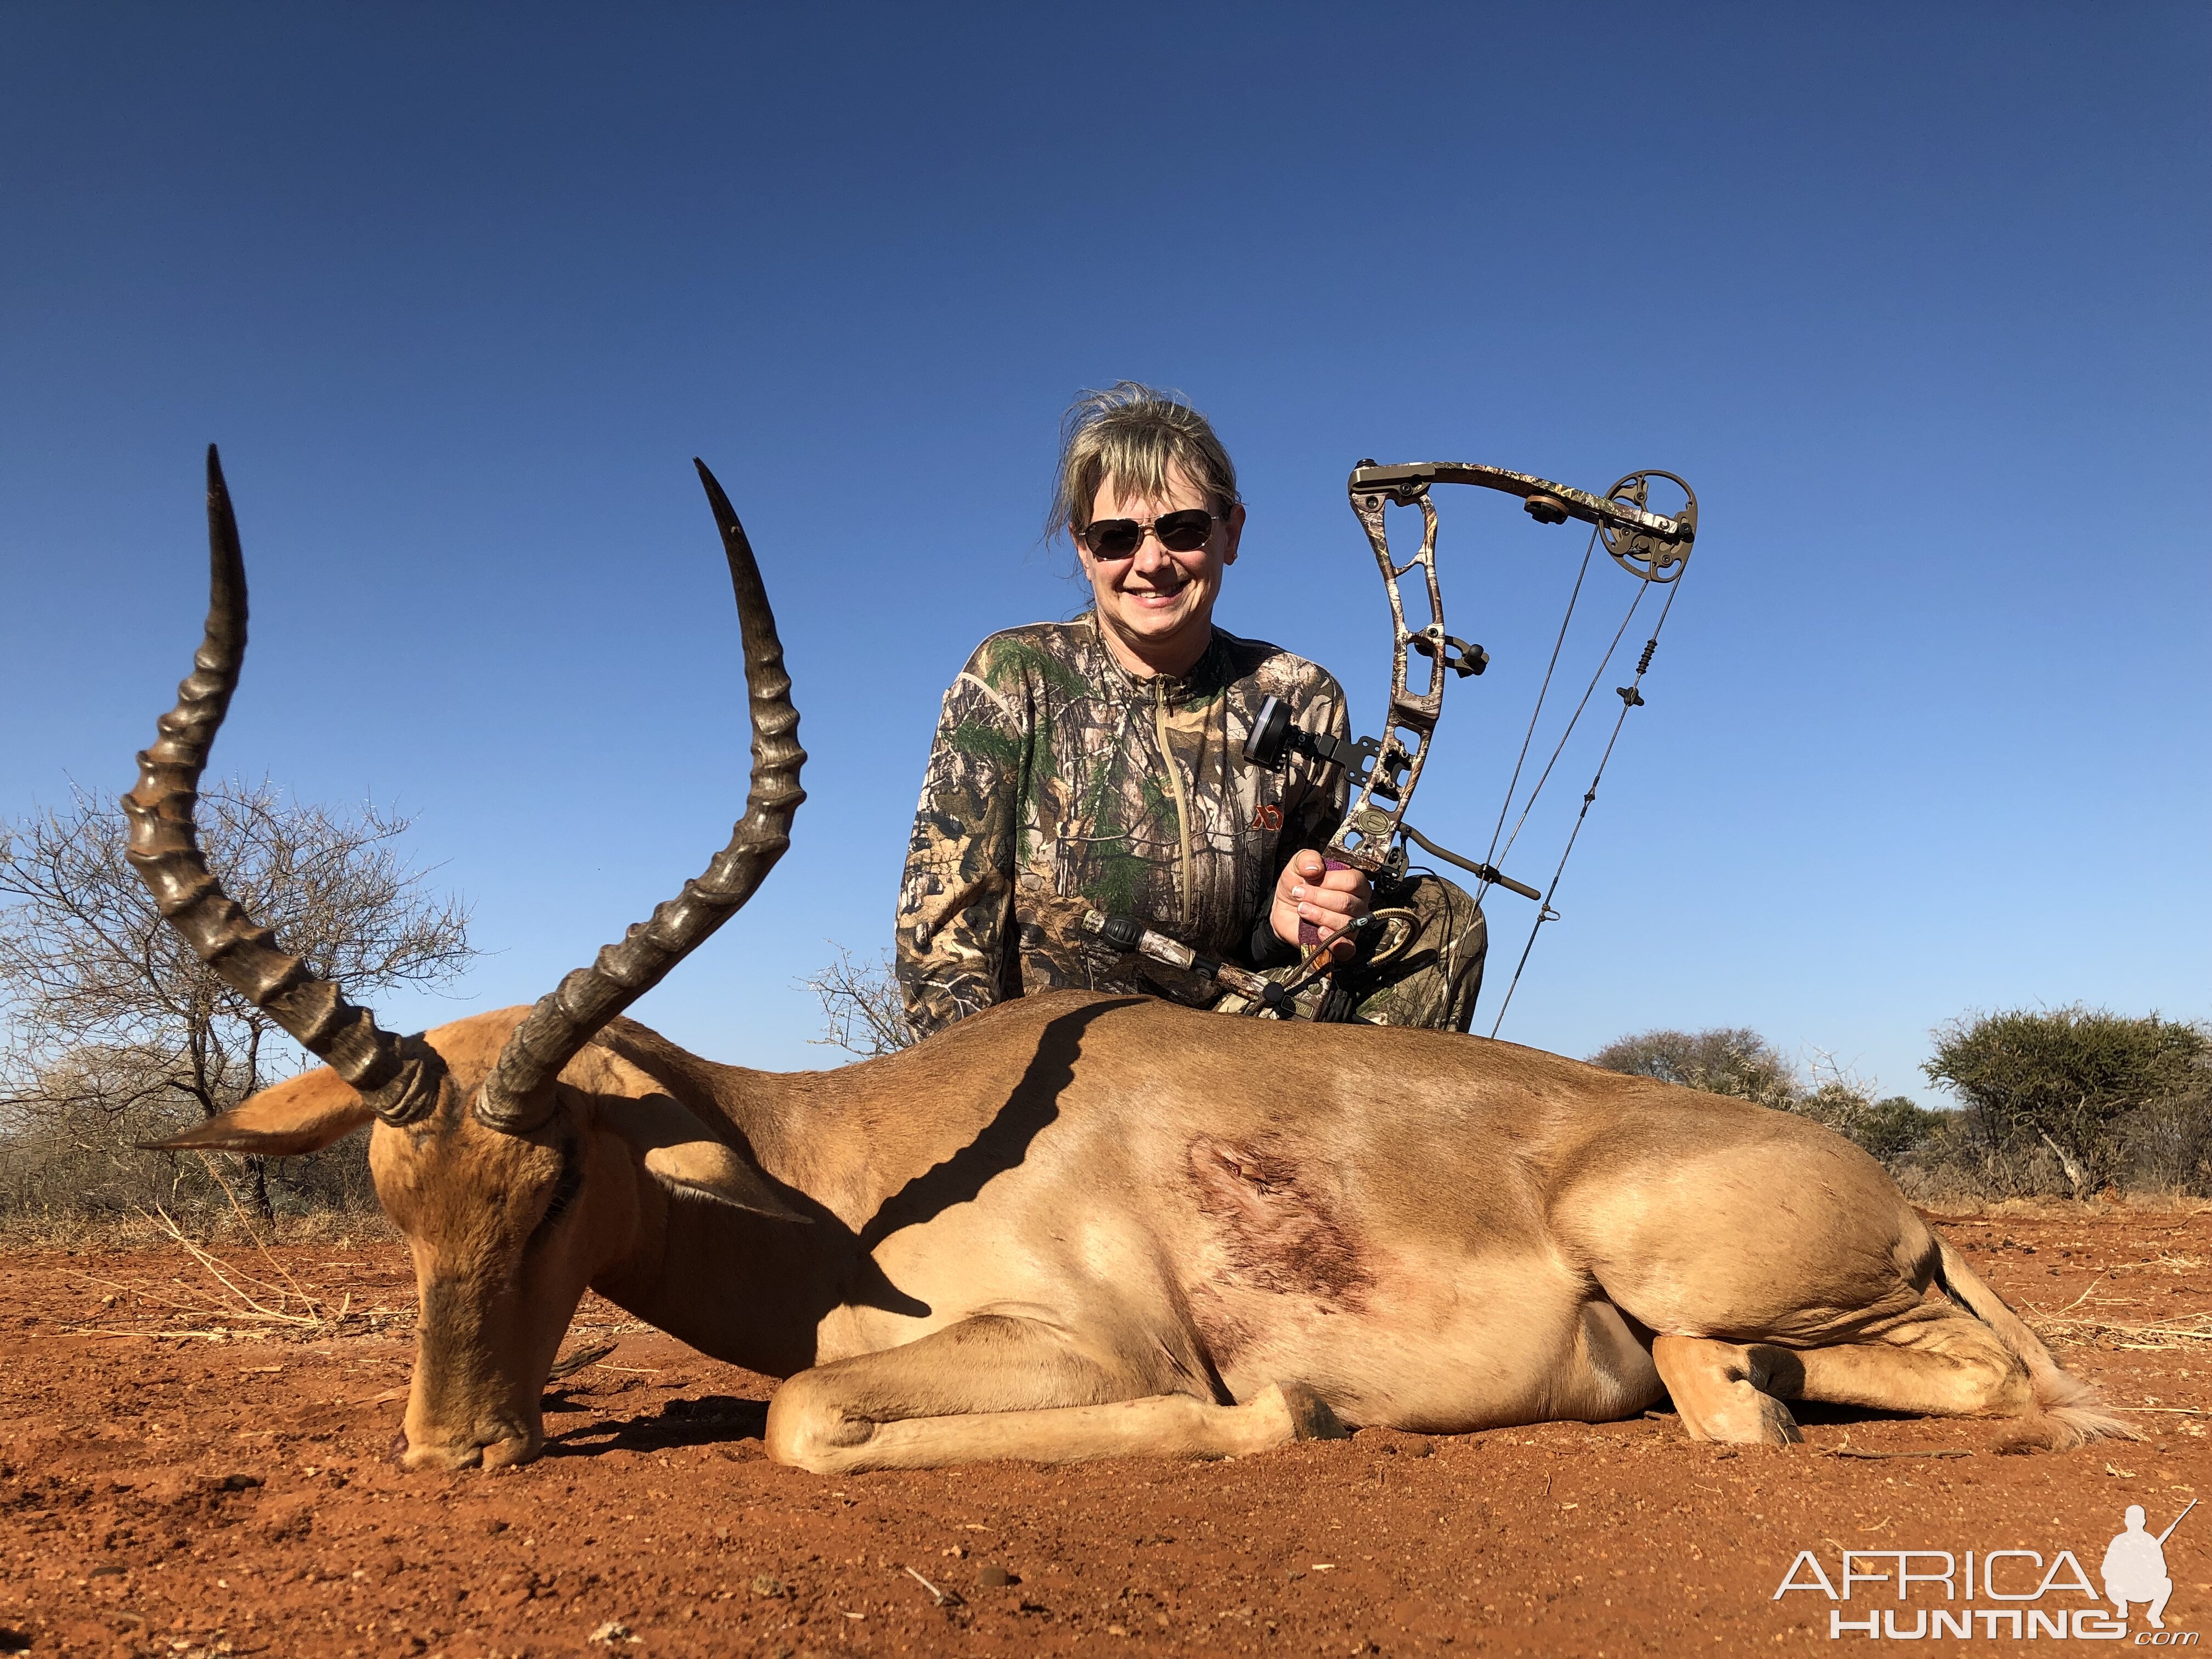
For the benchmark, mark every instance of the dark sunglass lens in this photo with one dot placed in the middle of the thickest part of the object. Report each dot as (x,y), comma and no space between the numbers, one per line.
(1186,532)
(1113,538)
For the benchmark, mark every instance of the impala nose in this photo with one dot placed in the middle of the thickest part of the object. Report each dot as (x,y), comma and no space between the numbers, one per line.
(505,1454)
(491,1445)
(439,1459)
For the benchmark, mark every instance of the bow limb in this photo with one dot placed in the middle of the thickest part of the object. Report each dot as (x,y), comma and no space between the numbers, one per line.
(1399,481)
(1367,840)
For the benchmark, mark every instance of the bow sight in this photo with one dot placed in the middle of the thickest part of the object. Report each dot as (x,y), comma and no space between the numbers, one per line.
(1383,772)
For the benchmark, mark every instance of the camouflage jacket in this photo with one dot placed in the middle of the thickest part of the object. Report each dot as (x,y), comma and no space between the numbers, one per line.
(1060,782)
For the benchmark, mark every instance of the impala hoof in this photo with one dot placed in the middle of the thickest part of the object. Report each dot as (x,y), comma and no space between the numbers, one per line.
(1310,1416)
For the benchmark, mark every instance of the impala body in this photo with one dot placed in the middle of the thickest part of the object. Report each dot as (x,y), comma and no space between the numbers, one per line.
(1076,1226)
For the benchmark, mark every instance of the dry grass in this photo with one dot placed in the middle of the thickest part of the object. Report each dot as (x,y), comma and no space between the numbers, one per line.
(2082,1322)
(2151,1336)
(234,1283)
(1964,1208)
(142,1229)
(220,1297)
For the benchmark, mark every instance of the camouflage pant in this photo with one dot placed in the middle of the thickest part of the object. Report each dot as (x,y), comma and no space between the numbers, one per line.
(1430,984)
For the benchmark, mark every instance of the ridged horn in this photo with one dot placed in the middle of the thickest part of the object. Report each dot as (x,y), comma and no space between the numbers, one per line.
(515,1096)
(397,1079)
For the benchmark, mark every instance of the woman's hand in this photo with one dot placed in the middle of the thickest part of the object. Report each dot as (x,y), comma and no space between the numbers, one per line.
(1308,890)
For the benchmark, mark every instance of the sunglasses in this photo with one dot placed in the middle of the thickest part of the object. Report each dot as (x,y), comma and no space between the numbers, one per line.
(1179,533)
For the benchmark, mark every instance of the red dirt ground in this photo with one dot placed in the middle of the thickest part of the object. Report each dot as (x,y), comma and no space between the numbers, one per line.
(183,1483)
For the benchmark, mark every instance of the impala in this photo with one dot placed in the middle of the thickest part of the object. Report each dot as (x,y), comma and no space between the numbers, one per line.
(1079,1225)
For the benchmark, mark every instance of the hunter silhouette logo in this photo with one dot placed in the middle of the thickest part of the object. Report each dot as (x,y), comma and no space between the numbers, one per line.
(2008,1592)
(2134,1566)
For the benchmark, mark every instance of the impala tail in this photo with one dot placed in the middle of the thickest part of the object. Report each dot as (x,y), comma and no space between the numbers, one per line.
(2067,1411)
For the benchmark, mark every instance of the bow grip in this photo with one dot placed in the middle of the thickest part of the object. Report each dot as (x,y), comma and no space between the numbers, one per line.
(1309,933)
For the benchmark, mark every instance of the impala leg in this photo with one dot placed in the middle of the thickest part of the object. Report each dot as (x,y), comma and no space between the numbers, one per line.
(1936,1362)
(1730,1391)
(996,1388)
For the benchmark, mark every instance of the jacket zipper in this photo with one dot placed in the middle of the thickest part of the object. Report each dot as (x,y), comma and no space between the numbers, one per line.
(1174,782)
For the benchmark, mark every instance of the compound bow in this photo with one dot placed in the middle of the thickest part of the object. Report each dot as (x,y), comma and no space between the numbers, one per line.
(1384,771)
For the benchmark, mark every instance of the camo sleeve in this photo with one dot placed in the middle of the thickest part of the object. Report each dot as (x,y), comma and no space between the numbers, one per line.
(1313,800)
(1312,810)
(956,902)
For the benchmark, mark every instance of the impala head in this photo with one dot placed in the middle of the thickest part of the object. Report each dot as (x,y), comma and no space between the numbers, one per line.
(507,1152)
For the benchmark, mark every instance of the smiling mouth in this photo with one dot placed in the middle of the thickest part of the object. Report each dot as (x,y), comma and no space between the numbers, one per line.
(1155,595)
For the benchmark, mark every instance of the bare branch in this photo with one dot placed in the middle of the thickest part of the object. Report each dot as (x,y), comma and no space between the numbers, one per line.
(111,1019)
(863,1011)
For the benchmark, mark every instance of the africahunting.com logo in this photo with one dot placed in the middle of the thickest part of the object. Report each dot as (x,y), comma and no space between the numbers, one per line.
(1998,1593)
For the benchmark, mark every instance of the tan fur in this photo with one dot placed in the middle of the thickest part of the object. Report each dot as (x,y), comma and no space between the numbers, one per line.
(1080,1226)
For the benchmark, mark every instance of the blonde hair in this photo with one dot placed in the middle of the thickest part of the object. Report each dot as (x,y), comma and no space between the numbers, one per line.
(1135,434)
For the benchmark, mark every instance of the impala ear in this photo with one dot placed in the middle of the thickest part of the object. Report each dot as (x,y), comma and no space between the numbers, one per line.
(304,1114)
(681,1151)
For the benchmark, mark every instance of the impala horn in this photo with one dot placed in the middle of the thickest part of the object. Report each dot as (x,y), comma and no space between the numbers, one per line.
(398,1078)
(516,1097)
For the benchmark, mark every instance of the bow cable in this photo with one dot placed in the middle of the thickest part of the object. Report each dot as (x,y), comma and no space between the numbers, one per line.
(1513,783)
(1631,697)
(1560,748)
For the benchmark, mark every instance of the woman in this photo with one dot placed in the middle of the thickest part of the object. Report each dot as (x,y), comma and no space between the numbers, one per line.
(1097,764)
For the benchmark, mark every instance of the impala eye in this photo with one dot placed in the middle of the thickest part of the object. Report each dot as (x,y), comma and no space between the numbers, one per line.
(566,1186)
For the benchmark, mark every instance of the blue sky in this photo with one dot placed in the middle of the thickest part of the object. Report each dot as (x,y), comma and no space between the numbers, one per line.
(1915,297)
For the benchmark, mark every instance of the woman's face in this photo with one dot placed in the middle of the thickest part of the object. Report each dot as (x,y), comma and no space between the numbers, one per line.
(1155,608)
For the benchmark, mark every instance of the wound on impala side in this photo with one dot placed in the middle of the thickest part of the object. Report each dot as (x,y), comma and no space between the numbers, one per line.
(1277,1231)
